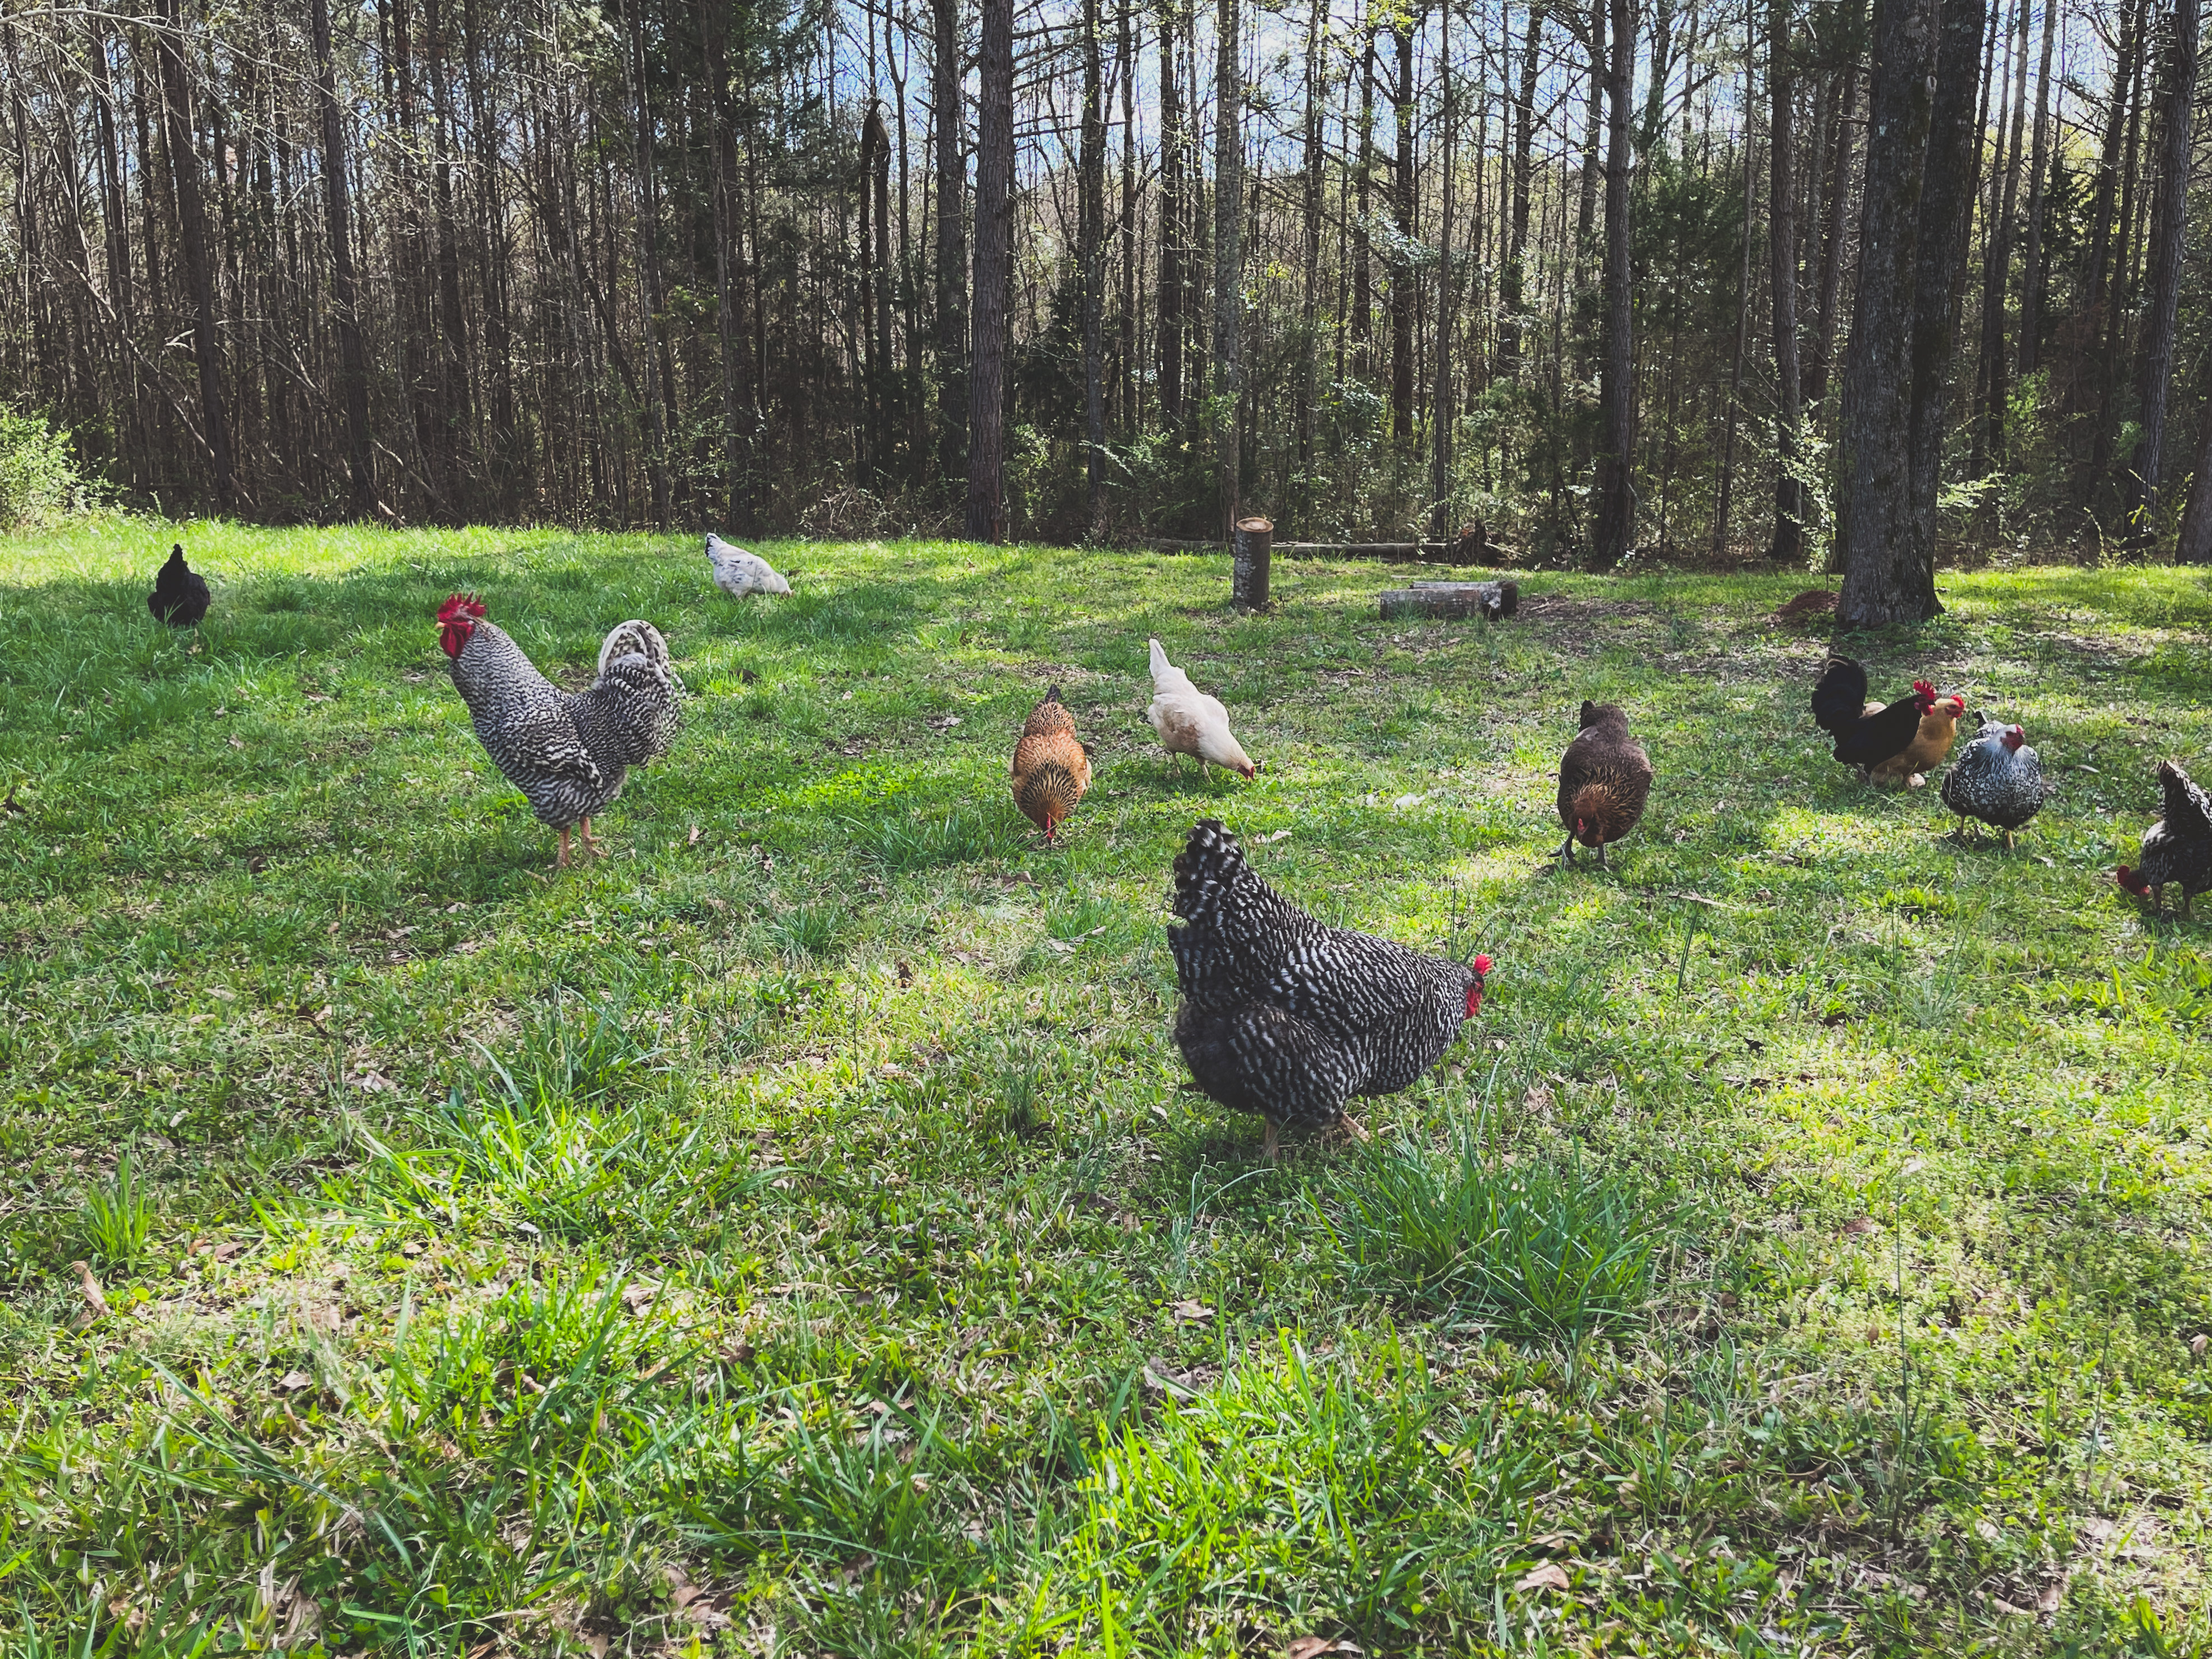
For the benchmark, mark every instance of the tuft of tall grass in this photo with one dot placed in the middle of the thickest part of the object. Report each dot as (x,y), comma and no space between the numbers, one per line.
(807,930)
(923,840)
(115,1221)
(1549,1251)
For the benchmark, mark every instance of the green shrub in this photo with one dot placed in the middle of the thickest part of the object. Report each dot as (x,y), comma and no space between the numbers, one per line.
(39,476)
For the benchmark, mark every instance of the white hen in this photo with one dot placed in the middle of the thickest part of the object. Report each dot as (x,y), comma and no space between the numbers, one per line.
(738,573)
(1189,722)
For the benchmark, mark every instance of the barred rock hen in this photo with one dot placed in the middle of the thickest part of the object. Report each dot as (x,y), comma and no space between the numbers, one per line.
(1998,781)
(1289,1018)
(2177,850)
(1052,768)
(1866,739)
(1605,779)
(180,593)
(568,752)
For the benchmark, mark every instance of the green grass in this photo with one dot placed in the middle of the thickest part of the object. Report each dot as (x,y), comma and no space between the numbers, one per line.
(793,1235)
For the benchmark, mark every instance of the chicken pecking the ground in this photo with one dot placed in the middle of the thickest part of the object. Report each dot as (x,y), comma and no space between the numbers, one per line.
(1869,735)
(567,751)
(739,571)
(1289,1018)
(1052,767)
(2177,850)
(180,593)
(1605,779)
(1998,781)
(1190,722)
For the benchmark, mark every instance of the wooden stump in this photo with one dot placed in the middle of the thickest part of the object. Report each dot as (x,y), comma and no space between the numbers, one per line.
(1247,579)
(1491,601)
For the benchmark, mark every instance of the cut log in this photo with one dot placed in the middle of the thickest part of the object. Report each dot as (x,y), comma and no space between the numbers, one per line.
(1491,601)
(1247,577)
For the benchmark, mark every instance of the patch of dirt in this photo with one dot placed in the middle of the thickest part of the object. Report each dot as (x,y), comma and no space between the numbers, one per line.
(1811,607)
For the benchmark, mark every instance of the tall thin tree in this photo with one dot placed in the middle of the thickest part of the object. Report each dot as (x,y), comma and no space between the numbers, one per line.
(1229,253)
(994,180)
(2168,234)
(1787,546)
(1614,538)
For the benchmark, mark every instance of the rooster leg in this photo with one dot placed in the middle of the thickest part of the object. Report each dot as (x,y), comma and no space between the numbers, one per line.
(1600,856)
(1351,1127)
(562,862)
(2187,914)
(591,845)
(1567,851)
(1268,1145)
(2008,840)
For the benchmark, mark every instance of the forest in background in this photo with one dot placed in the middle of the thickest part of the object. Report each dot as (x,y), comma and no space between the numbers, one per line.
(1671,280)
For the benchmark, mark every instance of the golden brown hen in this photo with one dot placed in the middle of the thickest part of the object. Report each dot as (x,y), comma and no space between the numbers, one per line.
(1052,767)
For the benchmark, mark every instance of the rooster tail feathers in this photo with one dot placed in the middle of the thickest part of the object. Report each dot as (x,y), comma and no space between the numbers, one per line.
(1207,871)
(1840,694)
(635,639)
(2187,811)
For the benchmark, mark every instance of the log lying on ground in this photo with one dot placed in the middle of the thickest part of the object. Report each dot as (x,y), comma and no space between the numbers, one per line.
(1449,600)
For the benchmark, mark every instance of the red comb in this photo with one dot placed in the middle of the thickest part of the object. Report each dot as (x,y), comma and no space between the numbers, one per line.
(1923,688)
(460,605)
(1482,965)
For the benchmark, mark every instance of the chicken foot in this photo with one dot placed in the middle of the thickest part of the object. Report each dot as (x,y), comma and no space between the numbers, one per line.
(563,860)
(590,845)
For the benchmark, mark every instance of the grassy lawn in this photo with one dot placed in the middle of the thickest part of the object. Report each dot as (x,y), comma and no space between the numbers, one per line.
(792,1234)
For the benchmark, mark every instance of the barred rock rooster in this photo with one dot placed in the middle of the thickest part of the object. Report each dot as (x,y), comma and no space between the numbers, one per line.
(568,752)
(1605,779)
(1289,1018)
(2177,850)
(1998,781)
(1868,736)
(1052,768)
(180,593)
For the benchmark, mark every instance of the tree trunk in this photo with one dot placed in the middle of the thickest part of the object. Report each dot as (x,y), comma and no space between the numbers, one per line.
(1994,364)
(1440,418)
(1309,261)
(1615,535)
(952,307)
(872,135)
(337,211)
(1363,276)
(199,274)
(1831,245)
(1509,305)
(1947,210)
(1885,579)
(1788,543)
(658,408)
(2031,298)
(1091,255)
(714,25)
(1229,253)
(2168,234)
(1124,69)
(458,414)
(994,178)
(1172,212)
(2195,546)
(1403,301)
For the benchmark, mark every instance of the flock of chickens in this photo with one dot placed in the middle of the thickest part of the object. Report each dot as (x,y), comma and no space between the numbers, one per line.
(1281,1015)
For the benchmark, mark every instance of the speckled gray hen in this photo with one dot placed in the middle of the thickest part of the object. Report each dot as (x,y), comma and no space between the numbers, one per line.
(568,752)
(1289,1018)
(2177,850)
(1997,781)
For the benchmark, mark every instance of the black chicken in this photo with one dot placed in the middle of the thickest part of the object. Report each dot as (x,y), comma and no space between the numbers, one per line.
(1289,1018)
(1605,779)
(2177,850)
(180,593)
(1863,739)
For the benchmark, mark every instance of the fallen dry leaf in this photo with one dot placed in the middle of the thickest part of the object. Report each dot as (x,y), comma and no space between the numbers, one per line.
(2052,1597)
(95,1301)
(1549,1575)
(1865,1224)
(1192,1309)
(1314,1647)
(292,1380)
(692,840)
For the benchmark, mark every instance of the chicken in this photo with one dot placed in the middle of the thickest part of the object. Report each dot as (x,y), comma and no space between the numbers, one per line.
(2177,850)
(1051,768)
(180,593)
(568,752)
(1605,778)
(1189,722)
(738,573)
(1289,1018)
(1931,743)
(1998,780)
(1863,738)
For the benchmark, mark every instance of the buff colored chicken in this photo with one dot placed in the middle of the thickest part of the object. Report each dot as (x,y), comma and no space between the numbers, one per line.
(1190,722)
(1931,743)
(1052,766)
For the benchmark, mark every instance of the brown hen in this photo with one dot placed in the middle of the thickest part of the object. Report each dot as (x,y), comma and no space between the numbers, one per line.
(1052,767)
(1605,779)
